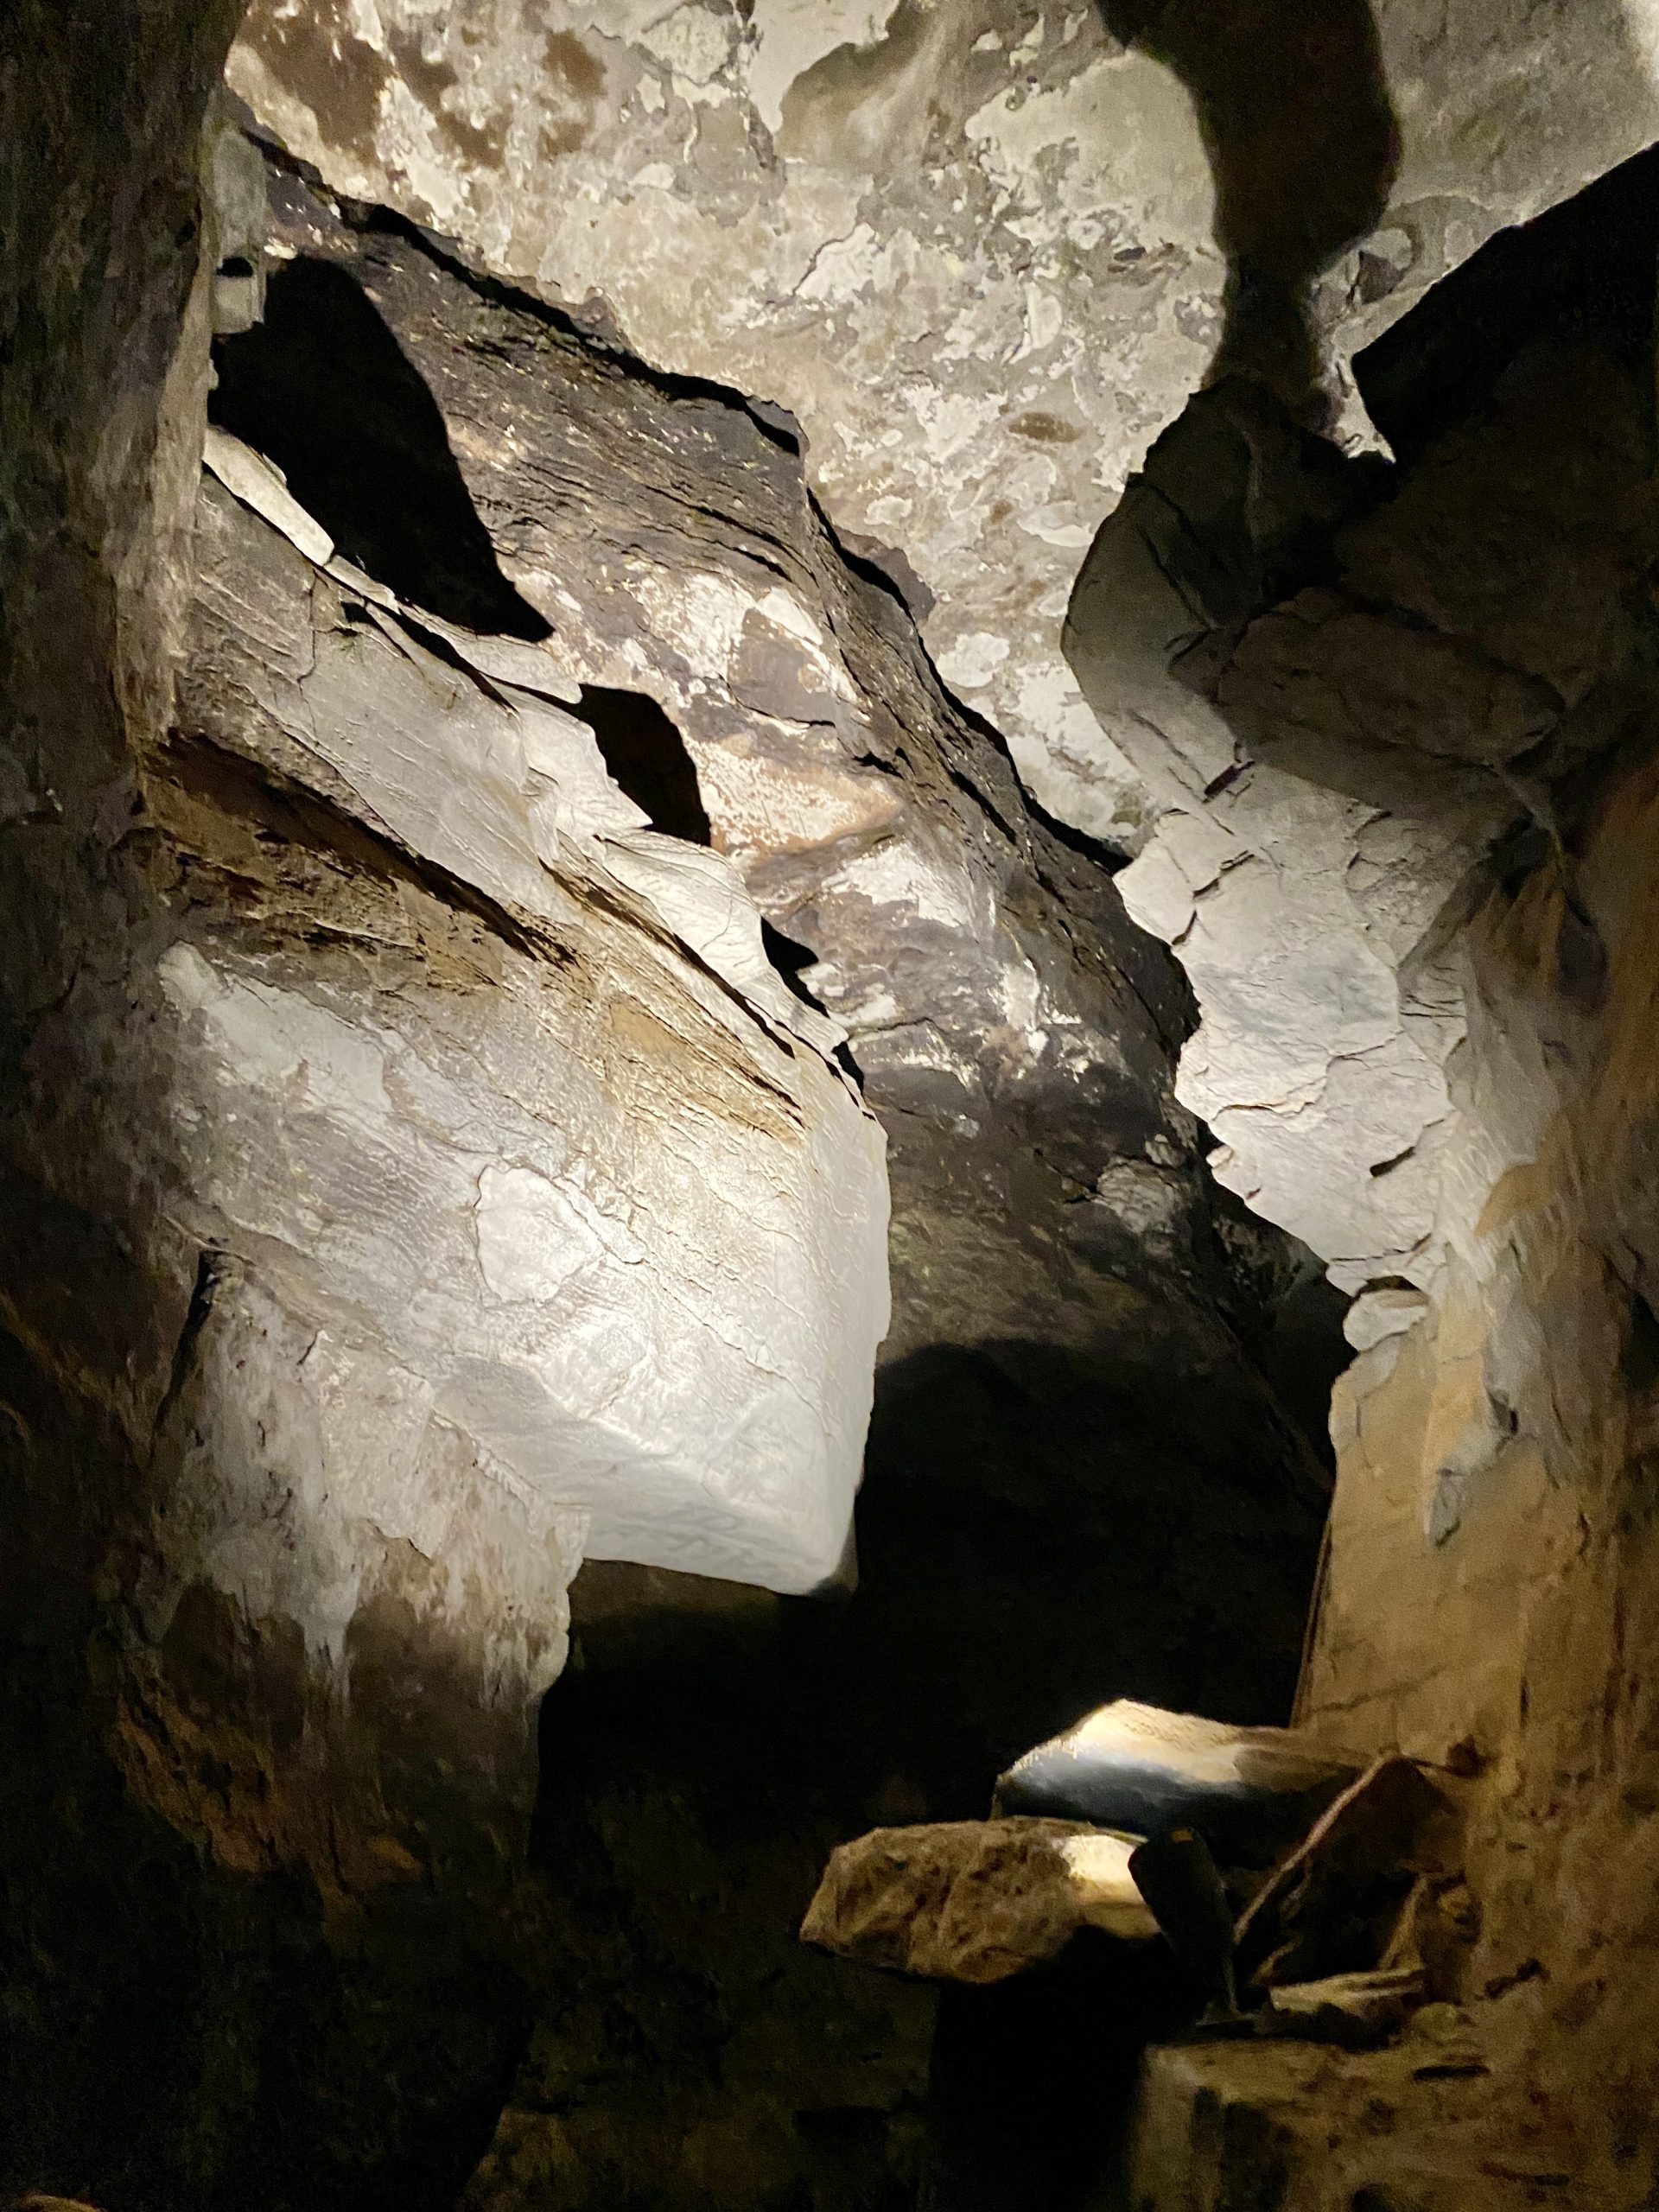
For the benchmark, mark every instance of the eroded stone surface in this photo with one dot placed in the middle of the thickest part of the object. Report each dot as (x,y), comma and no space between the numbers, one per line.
(1354,753)
(620,1230)
(1051,1232)
(1492,1571)
(975,1900)
(974,247)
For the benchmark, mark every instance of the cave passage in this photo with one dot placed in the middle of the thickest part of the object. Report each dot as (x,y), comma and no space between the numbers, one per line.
(408,1241)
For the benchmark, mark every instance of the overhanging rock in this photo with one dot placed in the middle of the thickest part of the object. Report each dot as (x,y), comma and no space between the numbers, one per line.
(487,1080)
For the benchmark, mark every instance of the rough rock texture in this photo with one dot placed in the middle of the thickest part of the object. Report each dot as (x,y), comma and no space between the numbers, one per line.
(1488,1599)
(1451,639)
(291,1205)
(626,1235)
(350,1014)
(983,250)
(1055,1271)
(1498,1458)
(1064,1395)
(974,1901)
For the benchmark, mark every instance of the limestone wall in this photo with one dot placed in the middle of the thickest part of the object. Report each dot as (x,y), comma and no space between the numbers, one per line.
(1493,1585)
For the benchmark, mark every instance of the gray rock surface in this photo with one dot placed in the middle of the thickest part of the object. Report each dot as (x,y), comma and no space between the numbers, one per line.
(485,1121)
(366,1057)
(1335,769)
(983,250)
(1010,1028)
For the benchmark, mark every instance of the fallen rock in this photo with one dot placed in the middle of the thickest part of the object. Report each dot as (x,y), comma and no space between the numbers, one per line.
(974,1901)
(1249,1792)
(1352,2009)
(1336,1901)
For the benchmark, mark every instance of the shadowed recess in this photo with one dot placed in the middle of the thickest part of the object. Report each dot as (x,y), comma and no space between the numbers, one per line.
(646,755)
(1587,265)
(1302,140)
(323,388)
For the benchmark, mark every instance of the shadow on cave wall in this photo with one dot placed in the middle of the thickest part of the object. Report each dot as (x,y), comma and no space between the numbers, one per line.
(1040,1528)
(648,757)
(323,389)
(1303,144)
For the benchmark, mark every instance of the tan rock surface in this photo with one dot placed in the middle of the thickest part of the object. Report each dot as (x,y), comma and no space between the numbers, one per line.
(974,1901)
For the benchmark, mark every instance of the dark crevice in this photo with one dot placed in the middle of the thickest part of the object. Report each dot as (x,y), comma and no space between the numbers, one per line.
(323,388)
(791,960)
(1588,264)
(648,757)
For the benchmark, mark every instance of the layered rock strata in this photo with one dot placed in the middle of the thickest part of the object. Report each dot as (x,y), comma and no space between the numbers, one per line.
(1451,639)
(530,1116)
(1482,637)
(1051,1233)
(418,1167)
(982,251)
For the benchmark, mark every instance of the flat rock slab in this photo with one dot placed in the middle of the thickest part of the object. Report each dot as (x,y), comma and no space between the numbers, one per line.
(1248,1791)
(974,1901)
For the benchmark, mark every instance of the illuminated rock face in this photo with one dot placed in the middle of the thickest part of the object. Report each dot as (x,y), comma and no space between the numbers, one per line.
(978,248)
(1011,1030)
(1349,691)
(622,1226)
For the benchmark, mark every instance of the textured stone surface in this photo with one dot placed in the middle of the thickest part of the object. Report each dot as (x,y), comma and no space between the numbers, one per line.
(276,1615)
(980,250)
(1491,1580)
(975,1900)
(1335,768)
(1250,1792)
(1051,1233)
(624,1234)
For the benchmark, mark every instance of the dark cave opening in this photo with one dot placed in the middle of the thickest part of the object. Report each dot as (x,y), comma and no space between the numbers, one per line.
(647,756)
(1584,267)
(708,1745)
(323,388)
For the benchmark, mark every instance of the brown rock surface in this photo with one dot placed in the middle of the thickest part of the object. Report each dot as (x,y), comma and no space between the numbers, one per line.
(975,1900)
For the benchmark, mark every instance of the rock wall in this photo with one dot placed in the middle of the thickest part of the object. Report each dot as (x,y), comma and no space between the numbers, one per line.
(557,1108)
(1354,682)
(1491,1589)
(983,252)
(1056,1268)
(349,1011)
(1495,1481)
(1442,766)
(418,1164)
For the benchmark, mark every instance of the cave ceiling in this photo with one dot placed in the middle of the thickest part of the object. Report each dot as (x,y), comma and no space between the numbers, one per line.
(982,252)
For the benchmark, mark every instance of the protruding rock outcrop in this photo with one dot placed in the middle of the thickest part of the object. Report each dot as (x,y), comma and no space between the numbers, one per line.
(530,1116)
